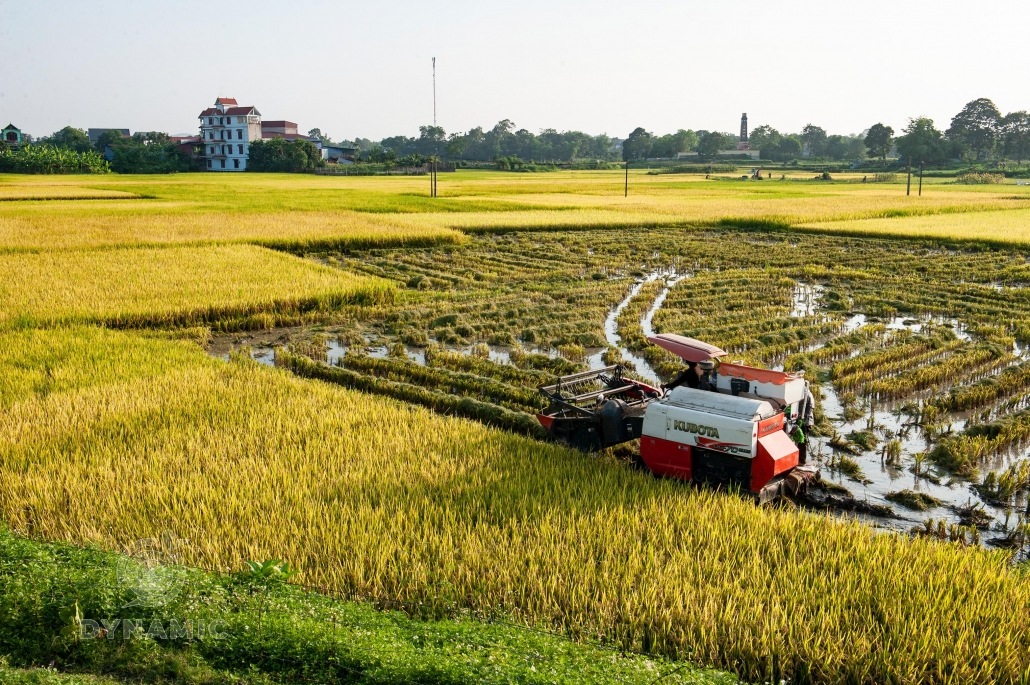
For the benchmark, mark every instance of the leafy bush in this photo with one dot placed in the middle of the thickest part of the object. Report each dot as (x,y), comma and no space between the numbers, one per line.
(150,153)
(593,165)
(695,169)
(979,177)
(414,159)
(511,163)
(46,159)
(281,155)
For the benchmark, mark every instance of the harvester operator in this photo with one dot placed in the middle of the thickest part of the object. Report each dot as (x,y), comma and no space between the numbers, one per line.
(690,377)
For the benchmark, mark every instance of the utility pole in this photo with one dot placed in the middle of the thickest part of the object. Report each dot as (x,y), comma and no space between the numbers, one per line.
(432,163)
(920,178)
(908,187)
(626,194)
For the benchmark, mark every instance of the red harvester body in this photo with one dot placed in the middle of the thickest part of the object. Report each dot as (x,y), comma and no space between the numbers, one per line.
(730,431)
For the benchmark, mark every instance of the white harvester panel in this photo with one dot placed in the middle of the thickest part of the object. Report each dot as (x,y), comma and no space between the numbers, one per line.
(715,421)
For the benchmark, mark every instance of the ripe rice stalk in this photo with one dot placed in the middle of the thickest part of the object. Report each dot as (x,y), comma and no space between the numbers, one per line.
(389,501)
(176,286)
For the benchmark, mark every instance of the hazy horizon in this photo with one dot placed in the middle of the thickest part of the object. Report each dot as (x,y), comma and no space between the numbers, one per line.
(363,70)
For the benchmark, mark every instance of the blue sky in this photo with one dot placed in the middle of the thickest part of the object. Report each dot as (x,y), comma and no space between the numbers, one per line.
(363,68)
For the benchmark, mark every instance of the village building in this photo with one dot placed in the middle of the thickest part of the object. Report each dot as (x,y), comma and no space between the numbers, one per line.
(95,133)
(226,130)
(334,154)
(281,129)
(11,135)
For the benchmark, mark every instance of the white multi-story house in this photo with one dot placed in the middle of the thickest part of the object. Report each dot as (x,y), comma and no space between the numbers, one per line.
(226,131)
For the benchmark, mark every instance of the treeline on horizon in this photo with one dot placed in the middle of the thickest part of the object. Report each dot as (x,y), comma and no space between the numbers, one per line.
(978,132)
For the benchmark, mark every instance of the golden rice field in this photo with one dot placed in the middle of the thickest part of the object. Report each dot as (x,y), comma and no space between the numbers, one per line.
(174,286)
(379,498)
(1011,227)
(131,223)
(38,191)
(39,362)
(311,212)
(108,436)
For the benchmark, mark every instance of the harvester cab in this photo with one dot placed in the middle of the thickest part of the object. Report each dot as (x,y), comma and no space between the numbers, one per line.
(730,431)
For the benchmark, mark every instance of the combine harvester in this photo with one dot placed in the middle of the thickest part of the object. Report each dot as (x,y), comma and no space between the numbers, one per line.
(731,431)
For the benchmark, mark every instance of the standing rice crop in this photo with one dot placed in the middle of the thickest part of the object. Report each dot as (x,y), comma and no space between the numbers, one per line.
(384,500)
(175,286)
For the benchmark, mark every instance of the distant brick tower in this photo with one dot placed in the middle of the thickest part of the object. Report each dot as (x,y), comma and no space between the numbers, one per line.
(743,144)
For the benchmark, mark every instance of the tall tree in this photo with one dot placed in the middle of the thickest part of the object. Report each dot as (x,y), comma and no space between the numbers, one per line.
(764,139)
(637,145)
(922,142)
(709,144)
(318,135)
(108,137)
(977,126)
(152,152)
(841,148)
(69,138)
(278,154)
(671,144)
(457,146)
(775,146)
(432,140)
(503,140)
(879,141)
(813,138)
(1016,130)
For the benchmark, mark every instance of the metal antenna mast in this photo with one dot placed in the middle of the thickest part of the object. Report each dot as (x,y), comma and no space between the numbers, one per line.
(434,91)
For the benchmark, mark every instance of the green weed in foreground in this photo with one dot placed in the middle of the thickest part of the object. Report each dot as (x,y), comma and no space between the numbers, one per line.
(252,629)
(48,676)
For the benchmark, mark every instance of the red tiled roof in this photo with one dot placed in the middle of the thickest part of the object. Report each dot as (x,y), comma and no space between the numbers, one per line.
(278,124)
(227,101)
(215,112)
